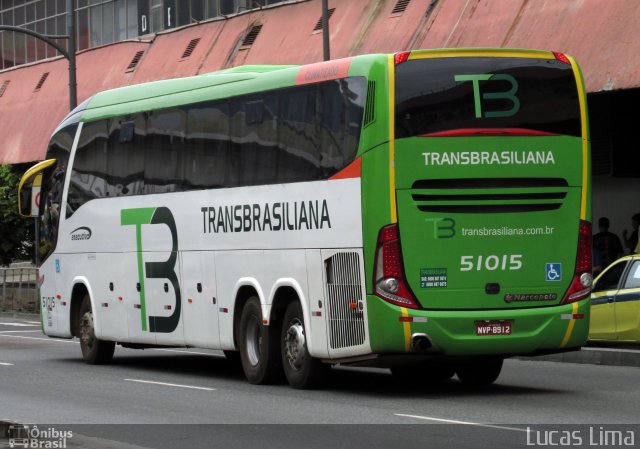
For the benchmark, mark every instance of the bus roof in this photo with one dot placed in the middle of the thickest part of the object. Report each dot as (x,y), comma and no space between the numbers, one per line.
(249,78)
(173,92)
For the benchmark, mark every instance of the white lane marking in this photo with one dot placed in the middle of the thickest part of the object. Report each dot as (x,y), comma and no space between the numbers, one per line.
(18,324)
(170,385)
(2,334)
(33,322)
(466,423)
(186,352)
(13,332)
(38,338)
(6,364)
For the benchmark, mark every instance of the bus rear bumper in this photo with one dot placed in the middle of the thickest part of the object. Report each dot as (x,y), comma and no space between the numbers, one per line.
(478,332)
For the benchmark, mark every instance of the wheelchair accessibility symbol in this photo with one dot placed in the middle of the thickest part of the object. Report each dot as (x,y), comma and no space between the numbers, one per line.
(554,271)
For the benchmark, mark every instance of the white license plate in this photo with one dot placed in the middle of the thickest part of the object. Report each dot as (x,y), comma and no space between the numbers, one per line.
(493,328)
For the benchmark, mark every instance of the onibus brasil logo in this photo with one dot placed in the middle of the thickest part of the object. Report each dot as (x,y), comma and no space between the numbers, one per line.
(28,436)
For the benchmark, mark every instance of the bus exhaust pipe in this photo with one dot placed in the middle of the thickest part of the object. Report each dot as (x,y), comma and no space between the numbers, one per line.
(420,343)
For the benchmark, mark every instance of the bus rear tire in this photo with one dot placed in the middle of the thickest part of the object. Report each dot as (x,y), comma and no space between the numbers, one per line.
(301,370)
(94,350)
(259,348)
(479,373)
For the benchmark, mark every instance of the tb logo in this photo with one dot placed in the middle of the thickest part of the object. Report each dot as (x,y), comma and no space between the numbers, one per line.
(509,95)
(443,228)
(145,216)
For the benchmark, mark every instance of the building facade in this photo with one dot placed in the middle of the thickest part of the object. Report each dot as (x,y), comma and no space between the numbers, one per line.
(100,22)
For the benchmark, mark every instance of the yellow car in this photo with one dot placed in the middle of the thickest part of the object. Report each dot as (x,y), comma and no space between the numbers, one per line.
(615,302)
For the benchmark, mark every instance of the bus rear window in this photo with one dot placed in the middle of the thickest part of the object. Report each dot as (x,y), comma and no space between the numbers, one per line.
(435,95)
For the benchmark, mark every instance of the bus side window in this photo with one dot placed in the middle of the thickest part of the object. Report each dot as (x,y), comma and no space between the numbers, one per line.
(298,136)
(89,171)
(254,138)
(207,148)
(341,110)
(125,157)
(164,151)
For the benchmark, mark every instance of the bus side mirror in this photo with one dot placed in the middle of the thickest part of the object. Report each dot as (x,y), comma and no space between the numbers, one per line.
(29,189)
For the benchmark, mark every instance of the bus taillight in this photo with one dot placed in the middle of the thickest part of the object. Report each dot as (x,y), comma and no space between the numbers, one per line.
(580,286)
(390,282)
(561,57)
(401,57)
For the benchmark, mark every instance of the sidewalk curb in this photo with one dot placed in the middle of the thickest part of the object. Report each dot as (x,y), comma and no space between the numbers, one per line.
(594,356)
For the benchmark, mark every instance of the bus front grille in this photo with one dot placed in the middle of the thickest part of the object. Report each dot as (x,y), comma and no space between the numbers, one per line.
(344,300)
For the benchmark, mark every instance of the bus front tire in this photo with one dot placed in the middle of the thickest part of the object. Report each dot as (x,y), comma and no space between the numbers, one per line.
(301,369)
(259,349)
(480,373)
(94,350)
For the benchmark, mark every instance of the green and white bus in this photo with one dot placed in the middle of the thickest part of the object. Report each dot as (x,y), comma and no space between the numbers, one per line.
(426,211)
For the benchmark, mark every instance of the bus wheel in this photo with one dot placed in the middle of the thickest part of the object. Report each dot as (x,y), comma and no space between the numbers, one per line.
(302,370)
(94,350)
(259,349)
(479,372)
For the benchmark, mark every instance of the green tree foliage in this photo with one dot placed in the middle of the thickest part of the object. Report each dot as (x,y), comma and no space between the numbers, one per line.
(16,233)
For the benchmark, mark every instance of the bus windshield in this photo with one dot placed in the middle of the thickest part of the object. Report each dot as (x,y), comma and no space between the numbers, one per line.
(538,95)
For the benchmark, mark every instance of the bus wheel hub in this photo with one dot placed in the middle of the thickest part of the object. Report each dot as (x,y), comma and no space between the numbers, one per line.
(294,344)
(86,330)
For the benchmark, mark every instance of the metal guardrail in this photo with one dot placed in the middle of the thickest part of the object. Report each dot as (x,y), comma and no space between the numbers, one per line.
(19,290)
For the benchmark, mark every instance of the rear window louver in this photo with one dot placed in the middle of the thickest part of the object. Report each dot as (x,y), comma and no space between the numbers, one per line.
(43,78)
(489,183)
(370,108)
(251,36)
(318,26)
(400,6)
(435,195)
(489,208)
(192,45)
(134,62)
(3,87)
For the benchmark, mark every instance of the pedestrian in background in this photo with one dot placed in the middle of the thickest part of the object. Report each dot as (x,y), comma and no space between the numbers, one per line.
(597,262)
(631,240)
(607,244)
